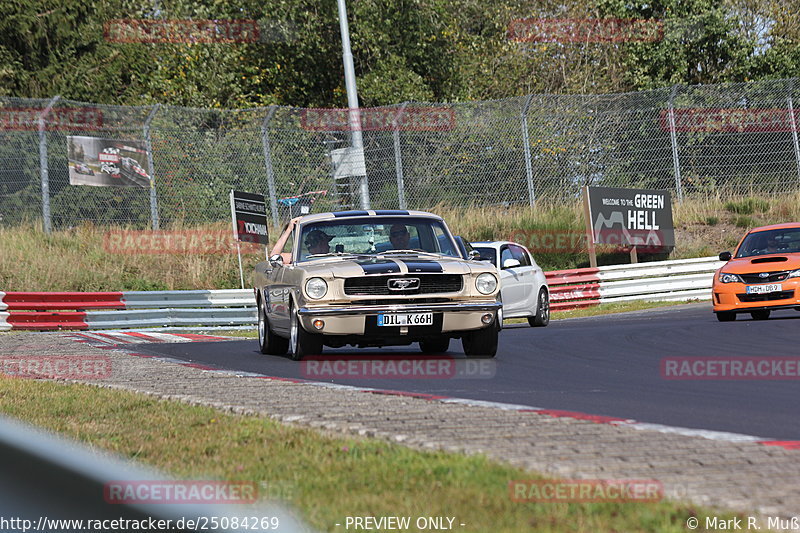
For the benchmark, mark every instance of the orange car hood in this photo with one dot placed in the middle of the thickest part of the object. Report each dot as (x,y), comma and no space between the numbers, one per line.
(763,263)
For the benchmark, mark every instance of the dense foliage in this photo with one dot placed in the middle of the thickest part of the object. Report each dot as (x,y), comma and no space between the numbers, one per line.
(434,50)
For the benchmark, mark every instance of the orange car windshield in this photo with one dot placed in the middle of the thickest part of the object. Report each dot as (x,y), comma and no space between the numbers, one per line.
(778,241)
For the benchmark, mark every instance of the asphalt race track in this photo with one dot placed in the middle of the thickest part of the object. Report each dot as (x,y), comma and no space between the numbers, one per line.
(607,365)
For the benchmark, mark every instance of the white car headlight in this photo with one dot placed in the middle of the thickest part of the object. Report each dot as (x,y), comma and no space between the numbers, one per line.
(486,283)
(316,288)
(729,278)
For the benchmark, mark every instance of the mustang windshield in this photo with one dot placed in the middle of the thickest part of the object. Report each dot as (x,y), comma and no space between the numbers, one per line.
(375,235)
(778,241)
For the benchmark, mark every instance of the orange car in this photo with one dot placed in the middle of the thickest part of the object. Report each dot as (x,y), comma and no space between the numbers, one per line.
(763,274)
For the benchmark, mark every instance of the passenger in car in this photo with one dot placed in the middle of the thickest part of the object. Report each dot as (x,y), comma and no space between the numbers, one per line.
(399,237)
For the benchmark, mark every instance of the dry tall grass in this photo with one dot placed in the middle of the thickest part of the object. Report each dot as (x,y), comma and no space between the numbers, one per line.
(85,259)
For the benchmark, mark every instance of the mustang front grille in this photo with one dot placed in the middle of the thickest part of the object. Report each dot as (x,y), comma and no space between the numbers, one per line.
(379,285)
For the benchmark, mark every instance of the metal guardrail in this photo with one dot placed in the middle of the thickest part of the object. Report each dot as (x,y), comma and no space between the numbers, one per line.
(683,279)
(47,478)
(660,281)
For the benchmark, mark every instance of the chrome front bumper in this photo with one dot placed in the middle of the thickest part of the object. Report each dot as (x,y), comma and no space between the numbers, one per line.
(360,319)
(400,308)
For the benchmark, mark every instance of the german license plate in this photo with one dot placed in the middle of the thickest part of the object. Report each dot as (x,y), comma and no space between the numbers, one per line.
(763,289)
(406,319)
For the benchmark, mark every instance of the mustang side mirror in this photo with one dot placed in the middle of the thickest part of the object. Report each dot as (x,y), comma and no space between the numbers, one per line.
(511,263)
(474,255)
(725,256)
(276,260)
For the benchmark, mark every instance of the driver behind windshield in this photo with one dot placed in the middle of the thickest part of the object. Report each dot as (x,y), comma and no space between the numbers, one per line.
(317,242)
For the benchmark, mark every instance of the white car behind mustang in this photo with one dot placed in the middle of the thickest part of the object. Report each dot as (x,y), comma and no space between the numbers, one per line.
(523,286)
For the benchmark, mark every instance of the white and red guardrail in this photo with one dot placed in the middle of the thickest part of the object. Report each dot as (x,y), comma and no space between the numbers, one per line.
(135,309)
(684,279)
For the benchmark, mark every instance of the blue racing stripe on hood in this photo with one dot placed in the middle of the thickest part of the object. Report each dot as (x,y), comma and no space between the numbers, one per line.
(378,266)
(422,265)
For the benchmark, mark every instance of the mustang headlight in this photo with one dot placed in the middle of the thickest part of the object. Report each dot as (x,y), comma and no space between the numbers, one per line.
(793,274)
(316,288)
(486,283)
(729,278)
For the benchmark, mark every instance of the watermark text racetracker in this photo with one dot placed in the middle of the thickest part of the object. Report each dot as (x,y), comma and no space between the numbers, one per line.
(575,30)
(186,31)
(57,118)
(403,367)
(610,240)
(585,490)
(200,492)
(134,242)
(77,367)
(411,118)
(730,368)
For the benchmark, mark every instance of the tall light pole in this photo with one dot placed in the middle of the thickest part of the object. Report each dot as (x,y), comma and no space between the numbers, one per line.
(357,141)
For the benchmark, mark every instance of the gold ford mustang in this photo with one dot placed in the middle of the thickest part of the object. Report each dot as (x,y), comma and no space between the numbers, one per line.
(374,278)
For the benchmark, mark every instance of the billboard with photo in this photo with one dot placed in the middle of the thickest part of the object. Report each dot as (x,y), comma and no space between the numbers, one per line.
(107,162)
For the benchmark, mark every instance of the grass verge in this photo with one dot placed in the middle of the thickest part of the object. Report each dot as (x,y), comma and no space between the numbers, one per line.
(326,478)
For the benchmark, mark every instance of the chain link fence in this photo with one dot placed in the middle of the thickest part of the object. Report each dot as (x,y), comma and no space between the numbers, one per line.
(732,139)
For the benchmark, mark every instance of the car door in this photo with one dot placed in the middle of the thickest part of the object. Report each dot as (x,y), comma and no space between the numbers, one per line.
(277,290)
(510,284)
(535,280)
(524,277)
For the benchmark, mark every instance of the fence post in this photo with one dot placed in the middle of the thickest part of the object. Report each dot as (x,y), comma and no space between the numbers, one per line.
(273,199)
(154,219)
(793,122)
(43,169)
(526,145)
(676,162)
(398,158)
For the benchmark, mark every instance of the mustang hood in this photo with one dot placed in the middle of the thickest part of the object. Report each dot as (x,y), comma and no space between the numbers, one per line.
(356,266)
(762,263)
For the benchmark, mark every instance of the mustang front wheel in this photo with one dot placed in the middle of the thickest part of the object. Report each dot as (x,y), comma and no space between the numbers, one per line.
(434,346)
(481,342)
(302,343)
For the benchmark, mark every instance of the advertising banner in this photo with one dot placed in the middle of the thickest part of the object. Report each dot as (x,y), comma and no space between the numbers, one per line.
(249,212)
(107,162)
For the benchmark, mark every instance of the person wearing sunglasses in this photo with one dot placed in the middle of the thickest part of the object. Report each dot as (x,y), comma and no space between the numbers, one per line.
(399,237)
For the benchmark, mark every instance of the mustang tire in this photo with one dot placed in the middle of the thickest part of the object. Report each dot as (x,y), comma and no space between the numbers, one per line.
(434,346)
(301,342)
(268,341)
(542,317)
(481,342)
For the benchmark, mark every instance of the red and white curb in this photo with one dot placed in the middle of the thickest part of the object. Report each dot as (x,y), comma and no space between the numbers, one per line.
(135,337)
(118,339)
